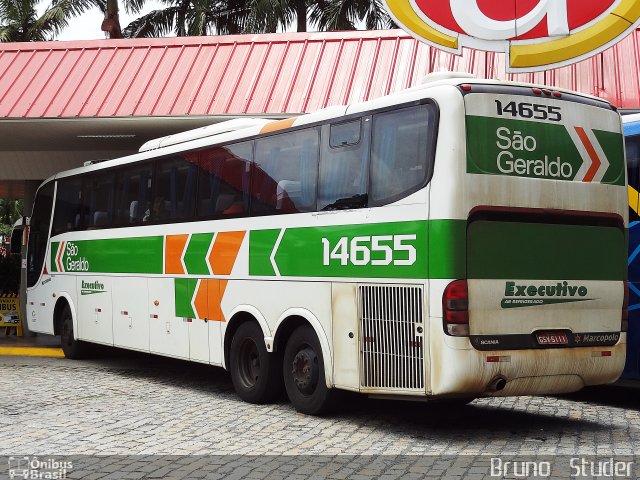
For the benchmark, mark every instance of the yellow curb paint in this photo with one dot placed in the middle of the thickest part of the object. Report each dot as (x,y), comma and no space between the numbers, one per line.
(31,352)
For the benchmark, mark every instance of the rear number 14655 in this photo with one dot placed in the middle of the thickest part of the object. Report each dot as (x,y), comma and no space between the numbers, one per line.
(529,110)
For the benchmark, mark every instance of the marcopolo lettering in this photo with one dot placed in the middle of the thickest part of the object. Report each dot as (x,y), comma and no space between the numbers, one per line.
(561,289)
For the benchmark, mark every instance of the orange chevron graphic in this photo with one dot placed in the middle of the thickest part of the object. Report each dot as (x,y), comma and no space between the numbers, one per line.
(174,246)
(208,295)
(596,163)
(207,300)
(225,251)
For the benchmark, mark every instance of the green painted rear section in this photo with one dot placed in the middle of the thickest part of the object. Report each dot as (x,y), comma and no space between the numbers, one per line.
(540,251)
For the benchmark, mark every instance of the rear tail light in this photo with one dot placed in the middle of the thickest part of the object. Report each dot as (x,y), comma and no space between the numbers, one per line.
(625,308)
(455,309)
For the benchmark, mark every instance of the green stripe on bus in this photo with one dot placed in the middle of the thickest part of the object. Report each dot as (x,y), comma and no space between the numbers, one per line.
(54,252)
(184,290)
(261,243)
(195,258)
(447,249)
(512,250)
(115,255)
(383,250)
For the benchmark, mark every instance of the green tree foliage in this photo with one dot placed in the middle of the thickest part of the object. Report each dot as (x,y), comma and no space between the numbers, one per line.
(10,212)
(191,17)
(20,22)
(209,17)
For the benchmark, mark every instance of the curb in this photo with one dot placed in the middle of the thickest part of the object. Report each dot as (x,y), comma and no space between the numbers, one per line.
(31,352)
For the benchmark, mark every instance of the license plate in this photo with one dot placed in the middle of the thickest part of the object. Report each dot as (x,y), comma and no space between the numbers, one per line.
(552,338)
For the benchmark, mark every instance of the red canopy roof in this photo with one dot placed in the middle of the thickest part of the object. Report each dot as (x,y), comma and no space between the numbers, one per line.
(261,74)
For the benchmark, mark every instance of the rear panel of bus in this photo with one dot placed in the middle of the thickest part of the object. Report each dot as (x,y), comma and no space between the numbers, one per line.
(544,243)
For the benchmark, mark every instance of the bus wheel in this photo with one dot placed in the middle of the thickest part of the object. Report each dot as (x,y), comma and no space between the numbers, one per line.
(72,348)
(303,371)
(255,373)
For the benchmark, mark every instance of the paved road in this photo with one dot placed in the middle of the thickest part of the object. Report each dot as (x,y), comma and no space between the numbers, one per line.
(120,407)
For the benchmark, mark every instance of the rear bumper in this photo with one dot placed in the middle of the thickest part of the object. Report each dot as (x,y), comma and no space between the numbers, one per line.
(458,368)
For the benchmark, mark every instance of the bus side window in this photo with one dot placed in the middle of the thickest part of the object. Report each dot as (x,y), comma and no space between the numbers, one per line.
(97,200)
(285,174)
(223,180)
(175,184)
(133,196)
(68,210)
(402,148)
(344,165)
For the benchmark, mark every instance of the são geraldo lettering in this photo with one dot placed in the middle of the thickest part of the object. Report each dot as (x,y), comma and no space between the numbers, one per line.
(73,264)
(512,143)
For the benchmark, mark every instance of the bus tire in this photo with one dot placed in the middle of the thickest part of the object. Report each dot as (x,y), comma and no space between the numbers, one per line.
(72,348)
(255,373)
(303,372)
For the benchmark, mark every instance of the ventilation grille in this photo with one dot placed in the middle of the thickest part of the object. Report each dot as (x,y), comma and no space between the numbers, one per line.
(391,337)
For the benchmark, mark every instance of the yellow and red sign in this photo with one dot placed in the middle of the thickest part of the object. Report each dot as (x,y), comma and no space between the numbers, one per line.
(535,34)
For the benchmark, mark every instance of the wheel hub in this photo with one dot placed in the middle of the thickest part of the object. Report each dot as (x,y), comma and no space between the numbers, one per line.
(250,363)
(305,370)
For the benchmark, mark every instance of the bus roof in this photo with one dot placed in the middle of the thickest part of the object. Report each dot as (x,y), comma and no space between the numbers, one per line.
(238,129)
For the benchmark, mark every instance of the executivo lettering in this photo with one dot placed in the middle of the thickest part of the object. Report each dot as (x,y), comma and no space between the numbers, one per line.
(91,288)
(516,295)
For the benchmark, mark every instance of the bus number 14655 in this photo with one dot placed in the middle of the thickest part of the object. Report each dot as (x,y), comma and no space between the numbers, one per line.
(379,250)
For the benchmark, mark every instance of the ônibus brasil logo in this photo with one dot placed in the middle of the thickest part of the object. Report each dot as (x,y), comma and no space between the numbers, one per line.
(535,34)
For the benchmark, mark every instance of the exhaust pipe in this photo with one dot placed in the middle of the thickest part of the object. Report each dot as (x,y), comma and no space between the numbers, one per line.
(497,384)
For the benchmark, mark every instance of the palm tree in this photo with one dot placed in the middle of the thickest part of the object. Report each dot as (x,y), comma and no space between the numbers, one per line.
(207,17)
(268,15)
(19,20)
(110,8)
(345,14)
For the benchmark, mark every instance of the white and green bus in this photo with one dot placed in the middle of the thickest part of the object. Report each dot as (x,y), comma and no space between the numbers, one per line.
(459,239)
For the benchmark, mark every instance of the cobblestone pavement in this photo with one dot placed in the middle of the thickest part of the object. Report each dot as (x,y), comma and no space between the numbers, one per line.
(127,404)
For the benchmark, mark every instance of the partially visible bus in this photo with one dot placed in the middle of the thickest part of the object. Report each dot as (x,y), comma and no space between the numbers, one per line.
(632,144)
(15,243)
(462,238)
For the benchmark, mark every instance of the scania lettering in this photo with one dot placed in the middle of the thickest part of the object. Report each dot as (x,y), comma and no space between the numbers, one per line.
(456,240)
